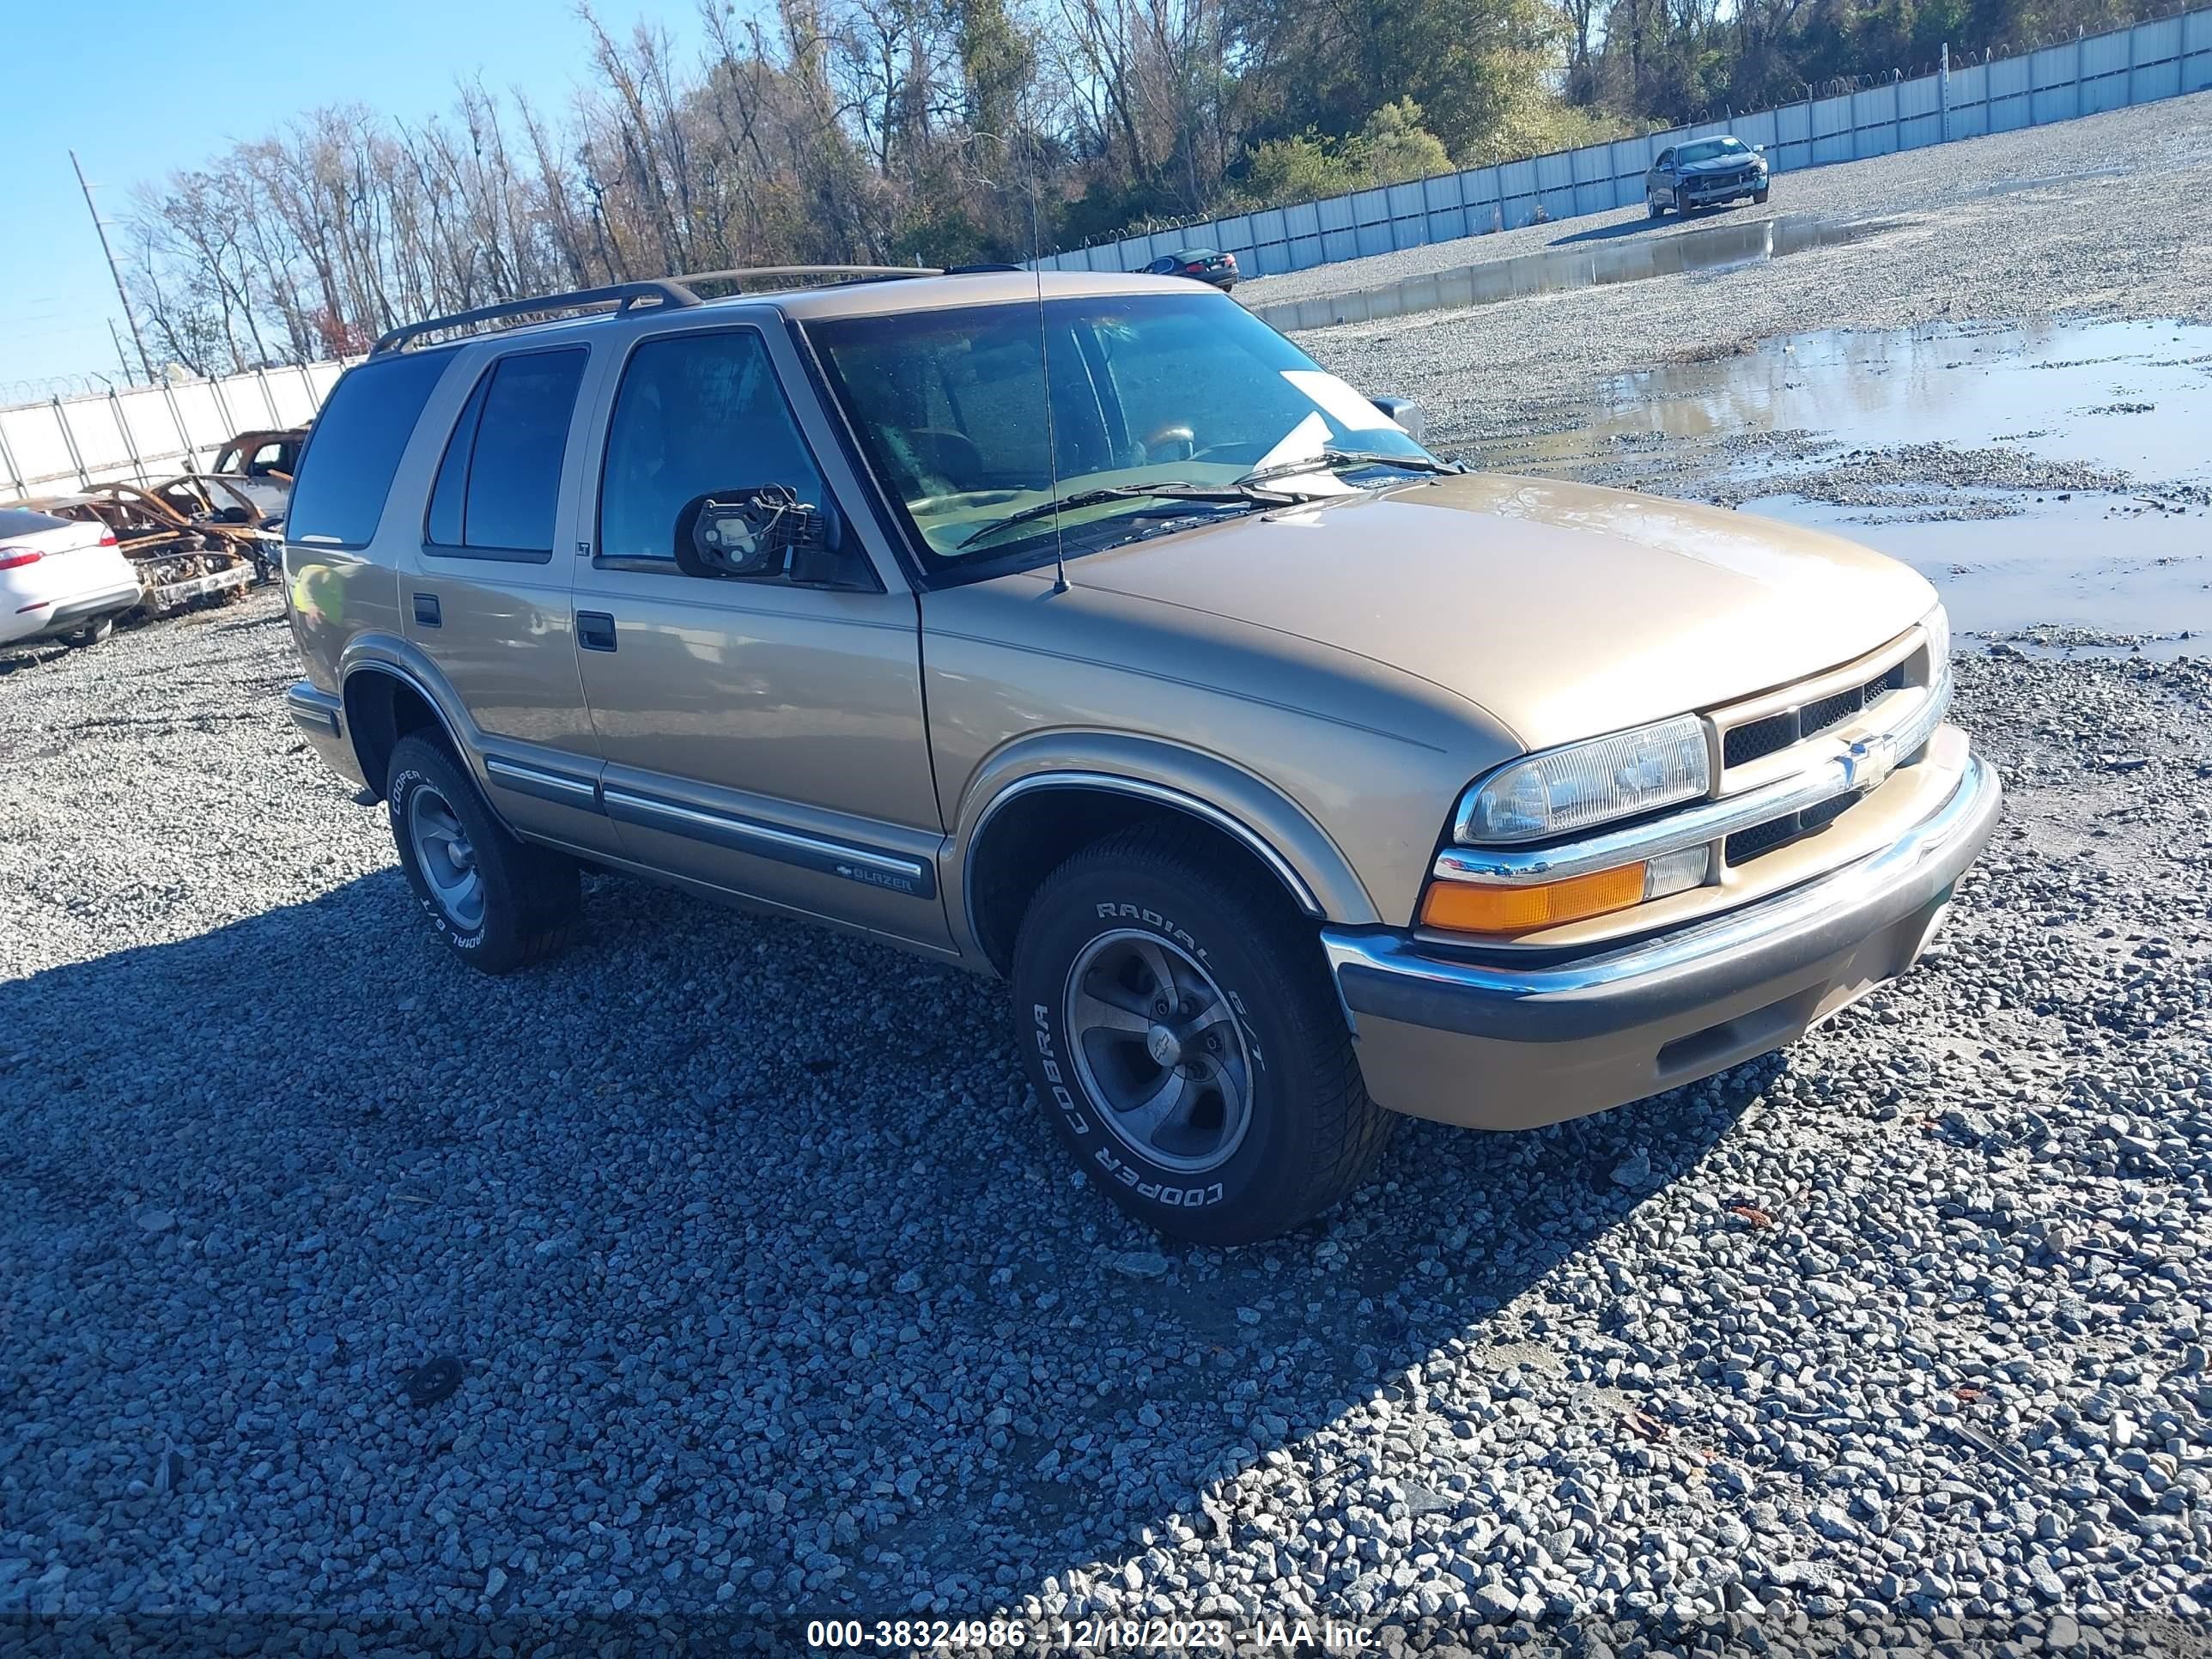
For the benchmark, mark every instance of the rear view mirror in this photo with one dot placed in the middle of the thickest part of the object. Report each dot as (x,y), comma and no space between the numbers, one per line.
(759,532)
(1406,413)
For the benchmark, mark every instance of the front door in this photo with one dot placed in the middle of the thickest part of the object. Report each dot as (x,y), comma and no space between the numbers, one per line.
(759,735)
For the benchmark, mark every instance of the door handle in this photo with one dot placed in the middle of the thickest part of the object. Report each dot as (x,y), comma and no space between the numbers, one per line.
(426,611)
(595,630)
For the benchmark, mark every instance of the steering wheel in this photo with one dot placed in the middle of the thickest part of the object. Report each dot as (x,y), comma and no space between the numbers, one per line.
(1178,433)
(936,440)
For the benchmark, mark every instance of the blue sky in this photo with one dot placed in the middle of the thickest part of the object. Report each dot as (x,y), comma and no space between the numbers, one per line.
(237,75)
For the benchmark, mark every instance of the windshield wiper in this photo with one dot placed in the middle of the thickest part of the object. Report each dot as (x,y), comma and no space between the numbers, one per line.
(1333,459)
(1242,491)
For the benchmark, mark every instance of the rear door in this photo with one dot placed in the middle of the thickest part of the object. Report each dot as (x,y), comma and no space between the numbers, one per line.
(487,601)
(760,736)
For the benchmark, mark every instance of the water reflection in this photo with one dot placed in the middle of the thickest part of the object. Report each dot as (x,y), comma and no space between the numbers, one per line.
(1722,247)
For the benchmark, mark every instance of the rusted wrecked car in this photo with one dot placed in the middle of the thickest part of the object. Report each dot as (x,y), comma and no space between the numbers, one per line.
(193,540)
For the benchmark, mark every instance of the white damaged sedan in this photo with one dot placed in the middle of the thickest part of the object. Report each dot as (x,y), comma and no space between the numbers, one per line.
(60,578)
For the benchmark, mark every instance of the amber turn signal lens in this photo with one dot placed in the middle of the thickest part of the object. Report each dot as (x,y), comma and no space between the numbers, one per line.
(1463,907)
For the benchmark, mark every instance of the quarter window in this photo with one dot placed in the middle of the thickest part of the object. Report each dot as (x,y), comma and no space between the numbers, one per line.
(359,437)
(499,485)
(696,414)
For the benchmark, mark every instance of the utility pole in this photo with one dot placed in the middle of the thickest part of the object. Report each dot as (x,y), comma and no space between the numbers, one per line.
(129,316)
(121,356)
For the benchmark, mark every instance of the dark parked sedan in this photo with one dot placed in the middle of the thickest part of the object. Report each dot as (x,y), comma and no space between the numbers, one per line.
(1703,172)
(1203,264)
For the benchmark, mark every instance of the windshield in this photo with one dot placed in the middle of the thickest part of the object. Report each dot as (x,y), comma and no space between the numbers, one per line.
(1711,150)
(953,408)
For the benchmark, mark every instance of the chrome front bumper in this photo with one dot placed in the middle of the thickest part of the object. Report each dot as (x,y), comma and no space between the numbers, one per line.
(1499,1046)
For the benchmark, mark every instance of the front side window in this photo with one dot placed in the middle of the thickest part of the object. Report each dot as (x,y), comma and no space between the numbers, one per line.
(498,489)
(696,414)
(360,433)
(1191,391)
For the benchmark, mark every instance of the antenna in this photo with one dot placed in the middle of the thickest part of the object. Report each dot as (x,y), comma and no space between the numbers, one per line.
(1024,180)
(1027,175)
(1051,438)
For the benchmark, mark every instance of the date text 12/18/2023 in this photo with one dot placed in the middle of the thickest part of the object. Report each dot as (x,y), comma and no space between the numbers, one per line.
(1102,1635)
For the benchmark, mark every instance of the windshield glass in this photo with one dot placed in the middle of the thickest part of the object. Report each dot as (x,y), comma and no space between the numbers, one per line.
(954,406)
(1710,149)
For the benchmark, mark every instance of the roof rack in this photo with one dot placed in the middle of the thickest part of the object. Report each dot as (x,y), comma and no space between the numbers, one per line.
(624,297)
(659,293)
(738,276)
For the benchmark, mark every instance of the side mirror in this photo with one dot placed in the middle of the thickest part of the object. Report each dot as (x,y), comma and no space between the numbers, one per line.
(760,533)
(1406,413)
(1761,149)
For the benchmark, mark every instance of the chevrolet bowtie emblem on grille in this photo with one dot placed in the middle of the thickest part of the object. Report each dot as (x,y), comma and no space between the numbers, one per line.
(1869,761)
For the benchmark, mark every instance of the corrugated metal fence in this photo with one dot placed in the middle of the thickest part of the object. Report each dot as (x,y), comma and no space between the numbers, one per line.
(148,433)
(2136,66)
(154,432)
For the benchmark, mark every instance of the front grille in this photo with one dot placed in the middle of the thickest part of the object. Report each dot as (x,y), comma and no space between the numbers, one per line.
(1747,844)
(1756,739)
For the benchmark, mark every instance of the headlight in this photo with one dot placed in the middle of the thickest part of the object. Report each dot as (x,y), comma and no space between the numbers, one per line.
(1936,624)
(1564,790)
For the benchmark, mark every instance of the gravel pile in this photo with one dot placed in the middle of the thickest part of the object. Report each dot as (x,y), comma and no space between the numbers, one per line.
(768,1290)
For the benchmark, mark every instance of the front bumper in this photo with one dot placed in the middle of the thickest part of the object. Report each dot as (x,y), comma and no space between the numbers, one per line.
(1699,192)
(1503,1047)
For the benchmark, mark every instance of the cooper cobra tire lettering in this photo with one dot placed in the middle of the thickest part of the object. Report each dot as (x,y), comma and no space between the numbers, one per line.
(396,795)
(1309,1132)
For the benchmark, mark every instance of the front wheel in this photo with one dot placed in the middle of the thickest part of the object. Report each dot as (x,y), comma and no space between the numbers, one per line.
(1177,1020)
(499,903)
(1759,197)
(1655,208)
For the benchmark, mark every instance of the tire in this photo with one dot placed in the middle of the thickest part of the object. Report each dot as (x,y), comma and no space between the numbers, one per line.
(1681,206)
(1273,1125)
(92,632)
(1759,197)
(525,904)
(1657,209)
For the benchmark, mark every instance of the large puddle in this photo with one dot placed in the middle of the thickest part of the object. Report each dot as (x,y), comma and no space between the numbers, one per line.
(1629,252)
(2123,397)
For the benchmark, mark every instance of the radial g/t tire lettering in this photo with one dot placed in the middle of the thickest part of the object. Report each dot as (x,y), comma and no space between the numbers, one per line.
(1176,1018)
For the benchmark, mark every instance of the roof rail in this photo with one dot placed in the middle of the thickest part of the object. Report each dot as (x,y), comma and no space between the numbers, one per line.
(660,292)
(738,276)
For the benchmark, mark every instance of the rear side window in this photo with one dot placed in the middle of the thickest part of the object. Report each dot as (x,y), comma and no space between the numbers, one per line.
(359,437)
(499,485)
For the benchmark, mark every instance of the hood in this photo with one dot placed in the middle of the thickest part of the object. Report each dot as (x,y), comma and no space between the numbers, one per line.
(1721,163)
(1562,609)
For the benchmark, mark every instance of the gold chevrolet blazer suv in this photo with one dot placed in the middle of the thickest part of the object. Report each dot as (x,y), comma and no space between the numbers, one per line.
(1082,630)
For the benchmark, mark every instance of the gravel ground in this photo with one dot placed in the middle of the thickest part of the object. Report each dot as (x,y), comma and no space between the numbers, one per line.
(769,1291)
(2107,217)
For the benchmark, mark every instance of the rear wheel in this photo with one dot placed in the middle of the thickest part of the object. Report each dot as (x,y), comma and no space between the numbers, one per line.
(1178,1023)
(498,902)
(92,633)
